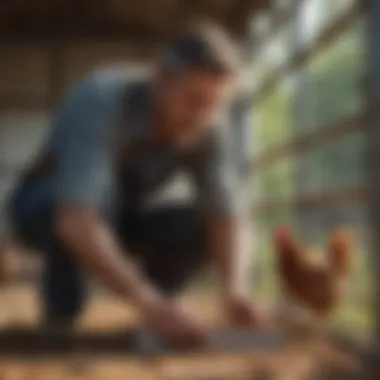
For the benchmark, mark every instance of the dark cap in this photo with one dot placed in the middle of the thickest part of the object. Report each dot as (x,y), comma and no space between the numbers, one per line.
(202,46)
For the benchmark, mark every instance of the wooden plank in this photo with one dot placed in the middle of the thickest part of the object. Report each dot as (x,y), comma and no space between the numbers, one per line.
(356,195)
(307,142)
(220,340)
(373,48)
(57,73)
(34,342)
(129,33)
(138,26)
(24,103)
(23,70)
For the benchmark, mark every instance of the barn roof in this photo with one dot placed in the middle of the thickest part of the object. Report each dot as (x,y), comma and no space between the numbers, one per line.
(141,21)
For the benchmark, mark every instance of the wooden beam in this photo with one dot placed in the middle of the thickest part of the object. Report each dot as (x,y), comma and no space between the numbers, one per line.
(70,17)
(356,195)
(241,11)
(373,50)
(306,143)
(56,72)
(24,103)
(136,33)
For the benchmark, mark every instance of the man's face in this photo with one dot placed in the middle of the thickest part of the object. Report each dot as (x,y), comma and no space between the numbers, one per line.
(190,102)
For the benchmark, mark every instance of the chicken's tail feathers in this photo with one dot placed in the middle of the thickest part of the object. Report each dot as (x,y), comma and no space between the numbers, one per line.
(340,249)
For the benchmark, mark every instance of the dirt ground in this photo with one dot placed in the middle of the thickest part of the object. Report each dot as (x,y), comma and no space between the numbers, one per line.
(306,360)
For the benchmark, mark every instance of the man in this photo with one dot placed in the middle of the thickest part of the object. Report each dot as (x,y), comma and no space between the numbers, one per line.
(114,142)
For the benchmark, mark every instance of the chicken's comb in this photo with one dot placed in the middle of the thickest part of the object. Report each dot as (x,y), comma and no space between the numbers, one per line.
(283,235)
(342,240)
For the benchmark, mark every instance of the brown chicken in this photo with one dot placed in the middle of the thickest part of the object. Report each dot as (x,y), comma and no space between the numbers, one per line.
(319,285)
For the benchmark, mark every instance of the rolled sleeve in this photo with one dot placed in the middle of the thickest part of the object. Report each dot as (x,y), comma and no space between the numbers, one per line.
(215,178)
(85,161)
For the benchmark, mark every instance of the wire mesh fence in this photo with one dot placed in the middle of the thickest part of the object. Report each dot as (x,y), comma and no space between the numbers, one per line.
(311,161)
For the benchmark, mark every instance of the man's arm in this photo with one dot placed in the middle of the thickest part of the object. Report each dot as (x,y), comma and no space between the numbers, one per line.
(219,198)
(84,181)
(219,201)
(92,243)
(226,239)
(83,184)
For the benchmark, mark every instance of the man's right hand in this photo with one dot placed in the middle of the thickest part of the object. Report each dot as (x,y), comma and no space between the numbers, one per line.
(173,324)
(93,245)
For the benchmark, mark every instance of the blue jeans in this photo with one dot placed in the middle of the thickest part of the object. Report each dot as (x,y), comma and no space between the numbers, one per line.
(170,241)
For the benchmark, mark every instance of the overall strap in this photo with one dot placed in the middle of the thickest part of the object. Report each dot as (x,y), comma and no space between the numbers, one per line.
(135,112)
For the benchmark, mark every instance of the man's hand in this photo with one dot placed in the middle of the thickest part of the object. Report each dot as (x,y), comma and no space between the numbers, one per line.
(241,311)
(173,324)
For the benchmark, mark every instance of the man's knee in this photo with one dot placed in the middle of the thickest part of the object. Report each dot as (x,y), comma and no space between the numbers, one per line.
(31,210)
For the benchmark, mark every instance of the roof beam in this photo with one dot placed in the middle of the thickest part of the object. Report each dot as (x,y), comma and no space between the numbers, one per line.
(241,10)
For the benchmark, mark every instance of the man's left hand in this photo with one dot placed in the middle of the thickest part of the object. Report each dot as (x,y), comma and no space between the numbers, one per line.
(241,311)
